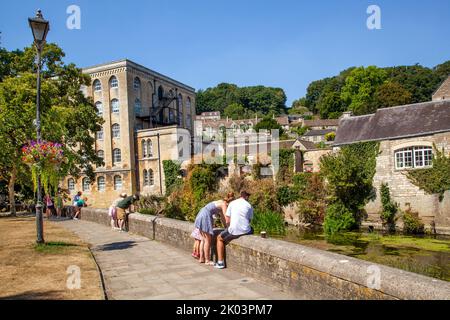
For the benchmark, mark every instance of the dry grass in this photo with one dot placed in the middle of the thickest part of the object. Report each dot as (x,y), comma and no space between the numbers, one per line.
(28,271)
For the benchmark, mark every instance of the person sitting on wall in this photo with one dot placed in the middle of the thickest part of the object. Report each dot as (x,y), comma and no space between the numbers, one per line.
(238,217)
(122,207)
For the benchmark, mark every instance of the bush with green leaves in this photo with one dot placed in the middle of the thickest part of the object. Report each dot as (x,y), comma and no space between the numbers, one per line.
(349,177)
(435,180)
(269,221)
(390,208)
(172,175)
(151,205)
(412,224)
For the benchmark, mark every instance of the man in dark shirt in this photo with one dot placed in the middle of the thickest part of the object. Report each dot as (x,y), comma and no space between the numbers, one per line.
(122,206)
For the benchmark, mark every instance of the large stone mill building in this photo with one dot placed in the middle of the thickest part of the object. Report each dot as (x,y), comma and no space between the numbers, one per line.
(144,113)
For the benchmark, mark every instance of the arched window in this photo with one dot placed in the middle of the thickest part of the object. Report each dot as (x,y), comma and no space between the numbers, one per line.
(171,117)
(144,149)
(149,148)
(188,104)
(116,130)
(99,107)
(101,184)
(101,155)
(117,183)
(151,177)
(100,134)
(113,82)
(86,184)
(71,185)
(146,179)
(137,106)
(115,108)
(414,157)
(97,86)
(117,156)
(160,92)
(137,84)
(180,109)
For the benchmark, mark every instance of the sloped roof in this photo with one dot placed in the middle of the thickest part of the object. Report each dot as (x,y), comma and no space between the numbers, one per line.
(322,123)
(396,123)
(308,145)
(443,92)
(314,133)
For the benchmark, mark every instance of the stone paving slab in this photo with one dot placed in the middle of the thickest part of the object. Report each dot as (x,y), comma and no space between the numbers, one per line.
(136,268)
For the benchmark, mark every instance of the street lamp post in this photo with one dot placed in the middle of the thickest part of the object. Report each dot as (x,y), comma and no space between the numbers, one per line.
(40,28)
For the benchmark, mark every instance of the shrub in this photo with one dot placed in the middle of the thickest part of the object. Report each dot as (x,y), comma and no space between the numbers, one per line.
(412,224)
(338,218)
(349,175)
(264,196)
(330,136)
(390,209)
(311,212)
(172,175)
(150,205)
(238,183)
(148,211)
(435,180)
(269,221)
(202,180)
(286,195)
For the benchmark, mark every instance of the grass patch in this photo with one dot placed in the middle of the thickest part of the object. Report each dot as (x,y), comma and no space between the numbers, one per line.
(53,247)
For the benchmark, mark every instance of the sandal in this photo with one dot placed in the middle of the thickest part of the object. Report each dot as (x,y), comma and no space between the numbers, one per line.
(210,263)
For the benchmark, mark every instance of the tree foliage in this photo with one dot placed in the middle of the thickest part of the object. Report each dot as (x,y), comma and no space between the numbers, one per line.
(258,100)
(67,116)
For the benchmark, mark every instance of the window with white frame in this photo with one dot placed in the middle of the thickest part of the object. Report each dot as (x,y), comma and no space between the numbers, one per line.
(414,157)
(117,156)
(113,83)
(146,179)
(117,183)
(149,148)
(97,86)
(115,108)
(71,185)
(116,130)
(151,177)
(101,184)
(100,135)
(86,185)
(99,107)
(144,149)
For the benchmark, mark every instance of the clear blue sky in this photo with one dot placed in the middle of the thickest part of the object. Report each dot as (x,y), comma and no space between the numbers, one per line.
(284,43)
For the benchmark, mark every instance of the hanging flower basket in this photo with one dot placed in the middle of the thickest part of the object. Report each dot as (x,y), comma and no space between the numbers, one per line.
(45,159)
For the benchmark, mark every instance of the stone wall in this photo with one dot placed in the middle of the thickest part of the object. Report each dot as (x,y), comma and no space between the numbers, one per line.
(293,267)
(402,190)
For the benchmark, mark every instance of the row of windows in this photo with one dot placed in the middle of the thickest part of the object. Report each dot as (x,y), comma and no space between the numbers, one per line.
(101,184)
(117,156)
(414,157)
(115,130)
(115,107)
(113,83)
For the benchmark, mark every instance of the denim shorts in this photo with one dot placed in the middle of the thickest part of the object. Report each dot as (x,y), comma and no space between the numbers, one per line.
(227,237)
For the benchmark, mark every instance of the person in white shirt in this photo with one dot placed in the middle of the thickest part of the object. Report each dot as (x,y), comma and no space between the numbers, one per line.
(238,218)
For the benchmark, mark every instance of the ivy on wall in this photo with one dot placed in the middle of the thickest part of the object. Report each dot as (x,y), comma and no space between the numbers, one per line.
(435,180)
(172,175)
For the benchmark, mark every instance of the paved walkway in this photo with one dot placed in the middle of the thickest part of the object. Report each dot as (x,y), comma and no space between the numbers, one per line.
(135,267)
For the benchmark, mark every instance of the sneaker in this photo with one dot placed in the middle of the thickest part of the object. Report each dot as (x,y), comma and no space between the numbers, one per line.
(219,265)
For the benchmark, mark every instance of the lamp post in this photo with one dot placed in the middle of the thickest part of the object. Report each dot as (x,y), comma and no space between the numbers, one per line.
(40,28)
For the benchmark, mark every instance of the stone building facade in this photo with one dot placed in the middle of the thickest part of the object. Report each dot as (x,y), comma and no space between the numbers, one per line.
(408,136)
(443,92)
(132,99)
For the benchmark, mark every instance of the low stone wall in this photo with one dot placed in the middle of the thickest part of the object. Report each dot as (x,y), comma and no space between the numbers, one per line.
(295,268)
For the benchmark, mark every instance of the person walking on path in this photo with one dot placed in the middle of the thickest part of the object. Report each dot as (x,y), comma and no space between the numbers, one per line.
(59,204)
(122,207)
(49,205)
(204,222)
(238,217)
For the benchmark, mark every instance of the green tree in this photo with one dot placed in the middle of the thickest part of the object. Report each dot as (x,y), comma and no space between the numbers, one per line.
(268,123)
(360,86)
(235,111)
(67,116)
(391,94)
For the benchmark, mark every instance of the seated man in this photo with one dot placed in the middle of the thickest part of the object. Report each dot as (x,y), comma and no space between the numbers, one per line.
(239,215)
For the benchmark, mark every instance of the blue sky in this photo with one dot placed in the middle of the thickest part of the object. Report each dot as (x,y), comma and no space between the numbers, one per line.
(284,43)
